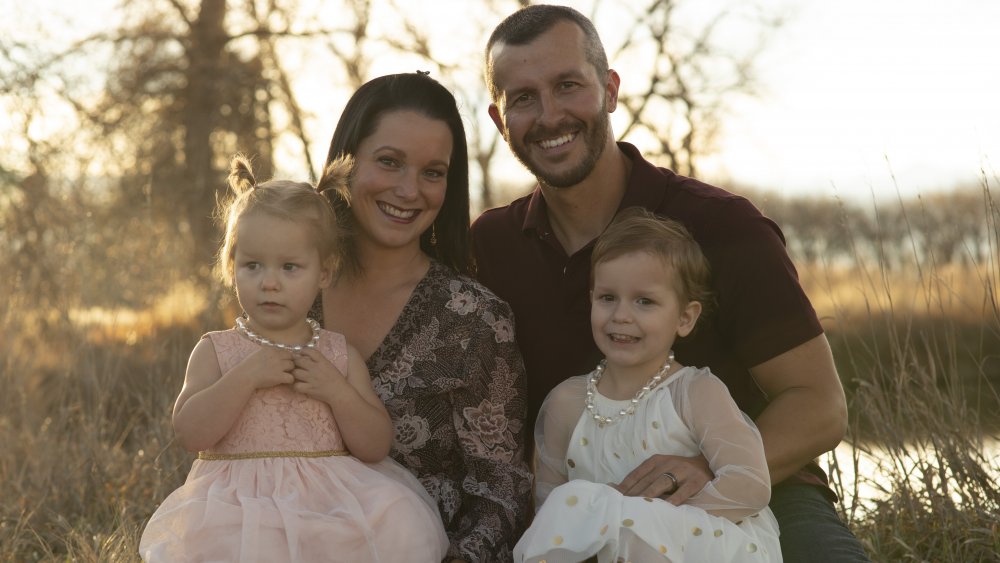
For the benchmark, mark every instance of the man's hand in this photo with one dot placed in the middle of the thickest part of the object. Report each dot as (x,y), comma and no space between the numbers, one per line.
(650,479)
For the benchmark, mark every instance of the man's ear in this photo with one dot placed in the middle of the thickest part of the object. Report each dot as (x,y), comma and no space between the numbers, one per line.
(613,82)
(689,316)
(498,120)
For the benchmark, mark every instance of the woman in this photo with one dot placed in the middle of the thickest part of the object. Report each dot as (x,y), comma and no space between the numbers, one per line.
(439,346)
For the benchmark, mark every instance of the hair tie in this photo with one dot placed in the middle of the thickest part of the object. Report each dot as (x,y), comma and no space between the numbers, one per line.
(424,72)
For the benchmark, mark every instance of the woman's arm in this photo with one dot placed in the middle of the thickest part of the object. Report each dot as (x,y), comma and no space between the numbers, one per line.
(210,401)
(489,415)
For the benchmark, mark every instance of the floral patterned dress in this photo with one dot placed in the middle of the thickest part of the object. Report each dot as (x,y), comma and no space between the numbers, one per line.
(451,375)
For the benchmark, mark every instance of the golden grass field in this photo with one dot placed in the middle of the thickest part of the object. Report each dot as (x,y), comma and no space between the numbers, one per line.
(86,448)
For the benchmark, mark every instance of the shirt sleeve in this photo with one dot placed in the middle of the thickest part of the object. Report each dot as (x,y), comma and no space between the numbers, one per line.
(730,442)
(554,428)
(762,309)
(489,413)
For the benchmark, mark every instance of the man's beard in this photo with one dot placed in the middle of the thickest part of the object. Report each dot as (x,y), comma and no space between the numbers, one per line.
(595,136)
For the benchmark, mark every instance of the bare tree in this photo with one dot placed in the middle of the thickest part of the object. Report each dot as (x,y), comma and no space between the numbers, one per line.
(169,90)
(677,84)
(951,226)
(185,90)
(679,103)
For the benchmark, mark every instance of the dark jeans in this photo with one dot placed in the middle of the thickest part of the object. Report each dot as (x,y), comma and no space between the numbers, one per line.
(811,529)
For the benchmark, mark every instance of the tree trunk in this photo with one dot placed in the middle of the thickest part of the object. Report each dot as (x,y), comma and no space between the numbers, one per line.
(205,60)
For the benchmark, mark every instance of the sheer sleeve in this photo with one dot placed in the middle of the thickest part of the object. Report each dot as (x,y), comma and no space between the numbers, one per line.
(557,419)
(730,442)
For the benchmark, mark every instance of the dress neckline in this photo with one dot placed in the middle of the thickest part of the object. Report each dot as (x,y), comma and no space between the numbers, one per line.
(413,302)
(616,402)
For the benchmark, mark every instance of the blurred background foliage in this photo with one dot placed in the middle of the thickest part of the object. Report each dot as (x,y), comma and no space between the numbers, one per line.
(115,142)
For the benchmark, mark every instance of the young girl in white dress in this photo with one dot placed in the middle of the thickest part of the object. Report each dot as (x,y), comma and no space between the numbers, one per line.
(649,283)
(292,439)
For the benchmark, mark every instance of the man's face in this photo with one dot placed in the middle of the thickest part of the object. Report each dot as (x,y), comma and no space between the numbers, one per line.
(552,106)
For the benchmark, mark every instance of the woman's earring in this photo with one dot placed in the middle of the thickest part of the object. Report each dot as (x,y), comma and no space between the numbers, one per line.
(434,236)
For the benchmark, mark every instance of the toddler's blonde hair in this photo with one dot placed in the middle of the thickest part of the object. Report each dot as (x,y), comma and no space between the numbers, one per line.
(299,202)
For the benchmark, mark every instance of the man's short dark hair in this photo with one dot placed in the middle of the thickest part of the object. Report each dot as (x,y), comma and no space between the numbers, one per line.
(525,25)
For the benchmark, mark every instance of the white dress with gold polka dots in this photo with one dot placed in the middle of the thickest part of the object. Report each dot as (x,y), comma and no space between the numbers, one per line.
(580,516)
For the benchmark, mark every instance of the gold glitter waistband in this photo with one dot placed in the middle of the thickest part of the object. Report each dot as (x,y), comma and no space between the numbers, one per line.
(261,455)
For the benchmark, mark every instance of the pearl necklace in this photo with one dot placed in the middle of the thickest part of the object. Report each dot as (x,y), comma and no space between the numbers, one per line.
(241,327)
(596,375)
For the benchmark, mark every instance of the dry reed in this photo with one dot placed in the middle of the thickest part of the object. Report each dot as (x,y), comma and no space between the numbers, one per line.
(86,447)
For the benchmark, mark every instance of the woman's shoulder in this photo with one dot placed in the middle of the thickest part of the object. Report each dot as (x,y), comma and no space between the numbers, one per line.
(465,294)
(461,305)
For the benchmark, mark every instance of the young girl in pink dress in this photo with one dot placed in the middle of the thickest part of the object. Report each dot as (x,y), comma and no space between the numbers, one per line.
(649,282)
(291,438)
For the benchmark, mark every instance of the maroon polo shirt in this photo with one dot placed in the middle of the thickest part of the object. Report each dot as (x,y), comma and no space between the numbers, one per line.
(760,312)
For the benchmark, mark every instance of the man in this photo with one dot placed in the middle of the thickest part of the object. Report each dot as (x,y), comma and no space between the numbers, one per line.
(552,94)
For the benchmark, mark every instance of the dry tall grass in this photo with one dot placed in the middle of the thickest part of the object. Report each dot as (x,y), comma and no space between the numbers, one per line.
(919,351)
(86,448)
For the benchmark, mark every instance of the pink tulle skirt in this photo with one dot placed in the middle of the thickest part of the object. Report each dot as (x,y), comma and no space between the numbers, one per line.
(296,509)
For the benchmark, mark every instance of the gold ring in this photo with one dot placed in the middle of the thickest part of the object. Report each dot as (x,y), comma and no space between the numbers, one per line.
(673,478)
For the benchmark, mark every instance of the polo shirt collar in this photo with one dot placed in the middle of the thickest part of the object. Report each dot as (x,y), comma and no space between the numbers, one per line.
(644,182)
(637,192)
(536,218)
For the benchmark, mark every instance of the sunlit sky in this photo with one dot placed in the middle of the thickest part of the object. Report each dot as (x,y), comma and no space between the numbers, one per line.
(862,89)
(853,92)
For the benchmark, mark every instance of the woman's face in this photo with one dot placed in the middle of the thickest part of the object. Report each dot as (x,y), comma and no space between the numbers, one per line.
(400,179)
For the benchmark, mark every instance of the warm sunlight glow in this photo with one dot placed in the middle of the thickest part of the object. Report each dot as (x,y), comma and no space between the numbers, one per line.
(856,97)
(857,91)
(179,306)
(954,291)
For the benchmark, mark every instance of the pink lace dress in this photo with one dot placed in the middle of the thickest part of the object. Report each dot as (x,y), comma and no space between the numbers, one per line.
(281,487)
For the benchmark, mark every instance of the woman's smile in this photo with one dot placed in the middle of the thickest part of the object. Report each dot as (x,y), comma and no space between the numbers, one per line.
(397,212)
(400,179)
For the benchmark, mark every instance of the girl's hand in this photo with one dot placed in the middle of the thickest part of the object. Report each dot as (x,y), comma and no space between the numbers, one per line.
(268,367)
(315,376)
